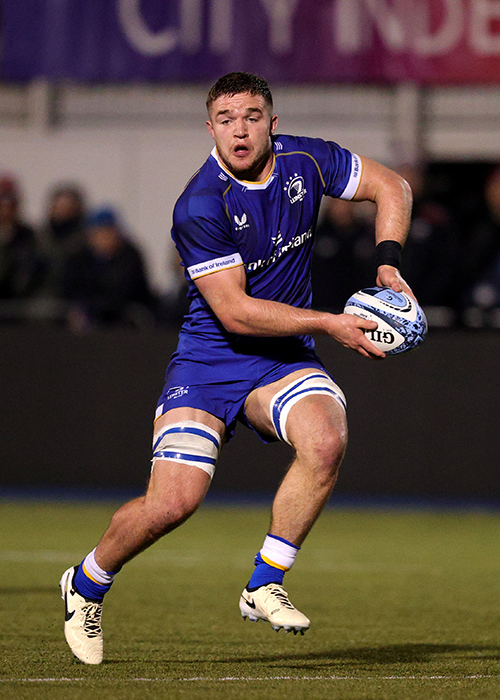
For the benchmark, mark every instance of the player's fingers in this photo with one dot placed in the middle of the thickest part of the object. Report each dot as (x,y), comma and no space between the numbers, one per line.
(366,324)
(409,291)
(372,350)
(362,351)
(394,282)
(365,346)
(350,331)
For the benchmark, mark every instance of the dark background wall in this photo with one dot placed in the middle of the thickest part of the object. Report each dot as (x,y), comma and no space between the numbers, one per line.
(77,411)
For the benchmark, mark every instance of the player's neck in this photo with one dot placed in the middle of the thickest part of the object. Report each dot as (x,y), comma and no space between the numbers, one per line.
(261,170)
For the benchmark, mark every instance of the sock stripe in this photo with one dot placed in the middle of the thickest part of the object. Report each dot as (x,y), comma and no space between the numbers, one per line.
(273,563)
(85,571)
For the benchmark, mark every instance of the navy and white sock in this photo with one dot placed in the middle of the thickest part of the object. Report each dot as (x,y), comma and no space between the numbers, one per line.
(91,581)
(272,562)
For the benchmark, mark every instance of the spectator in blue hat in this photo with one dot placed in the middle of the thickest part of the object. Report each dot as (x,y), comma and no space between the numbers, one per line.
(105,283)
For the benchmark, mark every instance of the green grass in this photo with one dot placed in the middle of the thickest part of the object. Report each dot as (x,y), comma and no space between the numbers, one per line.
(404,604)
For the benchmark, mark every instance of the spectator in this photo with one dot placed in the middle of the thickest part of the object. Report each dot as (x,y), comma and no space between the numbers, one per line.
(105,282)
(431,253)
(174,303)
(481,261)
(344,253)
(63,234)
(20,261)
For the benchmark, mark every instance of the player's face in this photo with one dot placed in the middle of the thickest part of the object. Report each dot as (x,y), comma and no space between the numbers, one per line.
(241,127)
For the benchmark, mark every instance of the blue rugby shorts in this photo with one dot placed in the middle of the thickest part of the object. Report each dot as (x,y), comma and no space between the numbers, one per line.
(217,374)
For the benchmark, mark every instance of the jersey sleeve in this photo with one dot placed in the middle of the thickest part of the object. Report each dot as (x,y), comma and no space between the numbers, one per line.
(345,174)
(340,169)
(202,235)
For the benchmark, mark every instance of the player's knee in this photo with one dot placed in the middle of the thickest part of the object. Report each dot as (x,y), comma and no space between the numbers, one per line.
(164,521)
(332,448)
(324,450)
(163,516)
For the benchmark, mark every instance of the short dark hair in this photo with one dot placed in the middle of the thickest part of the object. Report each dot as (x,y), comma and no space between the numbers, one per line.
(238,82)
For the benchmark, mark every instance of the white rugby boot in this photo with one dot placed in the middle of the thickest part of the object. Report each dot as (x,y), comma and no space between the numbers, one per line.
(271,604)
(82,621)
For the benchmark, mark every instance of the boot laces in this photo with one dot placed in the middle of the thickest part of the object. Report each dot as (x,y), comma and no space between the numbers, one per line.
(92,622)
(279,593)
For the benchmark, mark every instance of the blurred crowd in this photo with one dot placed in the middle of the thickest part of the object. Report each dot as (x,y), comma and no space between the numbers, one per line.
(451,258)
(80,268)
(83,269)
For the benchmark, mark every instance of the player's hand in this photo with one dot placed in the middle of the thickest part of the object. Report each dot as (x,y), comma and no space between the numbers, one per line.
(348,330)
(389,276)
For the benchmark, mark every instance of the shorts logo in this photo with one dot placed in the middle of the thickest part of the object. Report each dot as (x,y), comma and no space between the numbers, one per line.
(176,392)
(241,223)
(295,188)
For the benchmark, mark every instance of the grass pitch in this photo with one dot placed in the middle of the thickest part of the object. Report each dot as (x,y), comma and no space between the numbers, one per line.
(403,604)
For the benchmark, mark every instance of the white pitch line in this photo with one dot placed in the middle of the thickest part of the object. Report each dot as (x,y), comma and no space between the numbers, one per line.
(35,557)
(180,560)
(41,680)
(225,679)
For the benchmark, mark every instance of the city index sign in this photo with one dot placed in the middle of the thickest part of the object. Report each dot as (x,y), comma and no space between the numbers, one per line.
(426,41)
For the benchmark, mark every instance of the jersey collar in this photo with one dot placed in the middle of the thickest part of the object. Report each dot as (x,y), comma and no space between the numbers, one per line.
(246,183)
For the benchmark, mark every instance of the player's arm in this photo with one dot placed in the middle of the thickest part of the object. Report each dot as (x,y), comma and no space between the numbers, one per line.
(393,199)
(239,313)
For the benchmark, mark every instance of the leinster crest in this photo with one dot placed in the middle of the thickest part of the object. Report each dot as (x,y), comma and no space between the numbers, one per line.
(295,188)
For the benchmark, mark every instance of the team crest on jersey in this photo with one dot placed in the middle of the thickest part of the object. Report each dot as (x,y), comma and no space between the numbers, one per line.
(176,392)
(241,223)
(295,188)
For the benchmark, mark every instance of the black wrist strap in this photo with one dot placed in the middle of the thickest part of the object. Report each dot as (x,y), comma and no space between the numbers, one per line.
(389,253)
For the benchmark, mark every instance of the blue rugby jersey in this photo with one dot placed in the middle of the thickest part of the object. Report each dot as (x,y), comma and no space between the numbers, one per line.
(221,222)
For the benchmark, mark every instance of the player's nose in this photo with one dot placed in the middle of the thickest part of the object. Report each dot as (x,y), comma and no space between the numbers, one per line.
(240,128)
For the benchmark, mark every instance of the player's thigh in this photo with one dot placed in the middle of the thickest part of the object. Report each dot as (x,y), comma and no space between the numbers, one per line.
(186,446)
(303,405)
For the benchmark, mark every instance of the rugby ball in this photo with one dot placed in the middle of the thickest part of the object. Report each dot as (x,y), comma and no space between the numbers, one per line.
(402,325)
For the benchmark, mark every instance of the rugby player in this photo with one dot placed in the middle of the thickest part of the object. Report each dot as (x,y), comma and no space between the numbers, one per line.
(244,228)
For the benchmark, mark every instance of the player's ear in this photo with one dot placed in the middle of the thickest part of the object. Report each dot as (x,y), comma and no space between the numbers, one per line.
(210,128)
(274,123)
